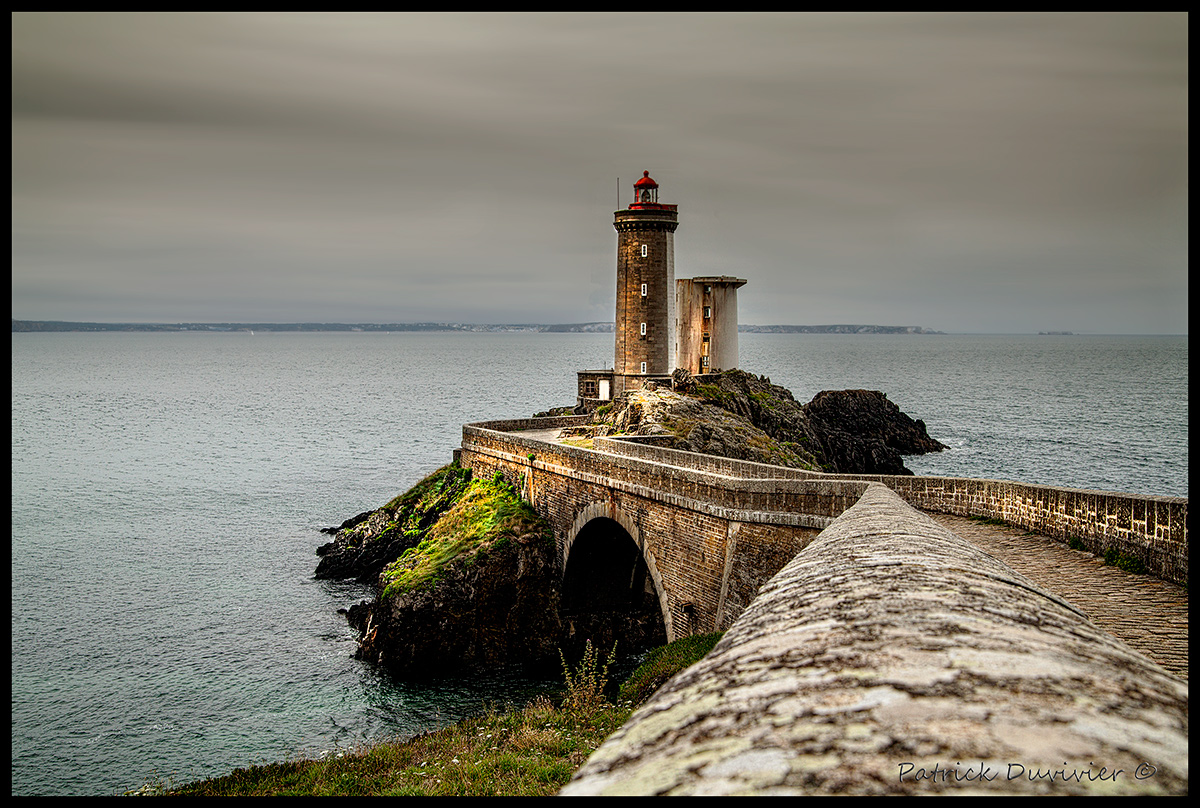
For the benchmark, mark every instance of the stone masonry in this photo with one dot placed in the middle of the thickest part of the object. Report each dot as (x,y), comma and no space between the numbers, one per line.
(712,529)
(893,657)
(710,540)
(645,296)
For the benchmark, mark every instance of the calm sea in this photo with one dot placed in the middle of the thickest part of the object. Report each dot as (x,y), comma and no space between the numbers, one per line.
(167,490)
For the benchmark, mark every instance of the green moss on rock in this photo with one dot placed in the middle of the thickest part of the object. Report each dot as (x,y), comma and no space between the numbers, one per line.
(487,514)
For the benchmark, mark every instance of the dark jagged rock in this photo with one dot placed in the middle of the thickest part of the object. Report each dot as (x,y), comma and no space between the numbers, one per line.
(333,531)
(862,432)
(869,414)
(556,411)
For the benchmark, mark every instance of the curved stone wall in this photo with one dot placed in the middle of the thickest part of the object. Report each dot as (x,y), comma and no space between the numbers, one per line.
(893,657)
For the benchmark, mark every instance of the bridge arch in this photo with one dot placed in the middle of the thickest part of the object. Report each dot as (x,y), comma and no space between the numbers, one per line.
(601,527)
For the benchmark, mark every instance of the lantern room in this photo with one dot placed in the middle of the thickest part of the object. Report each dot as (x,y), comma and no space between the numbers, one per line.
(645,195)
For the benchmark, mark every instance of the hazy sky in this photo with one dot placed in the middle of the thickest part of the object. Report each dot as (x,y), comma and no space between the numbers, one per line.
(963,172)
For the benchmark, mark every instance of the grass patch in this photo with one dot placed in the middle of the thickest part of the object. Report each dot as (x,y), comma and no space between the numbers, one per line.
(487,515)
(714,393)
(664,662)
(1123,561)
(531,751)
(527,752)
(583,442)
(427,492)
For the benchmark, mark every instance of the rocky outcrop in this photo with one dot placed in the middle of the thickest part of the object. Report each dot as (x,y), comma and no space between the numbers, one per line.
(364,544)
(738,415)
(695,425)
(844,418)
(487,609)
(465,576)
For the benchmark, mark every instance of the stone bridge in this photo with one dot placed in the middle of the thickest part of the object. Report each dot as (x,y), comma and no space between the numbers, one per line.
(887,656)
(709,531)
(707,535)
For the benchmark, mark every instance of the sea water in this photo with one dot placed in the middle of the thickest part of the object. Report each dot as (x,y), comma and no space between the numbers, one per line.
(168,488)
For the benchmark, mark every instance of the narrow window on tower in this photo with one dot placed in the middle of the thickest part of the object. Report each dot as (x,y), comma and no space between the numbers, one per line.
(643,367)
(644,250)
(707,312)
(643,290)
(643,329)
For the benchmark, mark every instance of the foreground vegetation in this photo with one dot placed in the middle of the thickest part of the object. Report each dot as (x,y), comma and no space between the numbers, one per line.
(531,751)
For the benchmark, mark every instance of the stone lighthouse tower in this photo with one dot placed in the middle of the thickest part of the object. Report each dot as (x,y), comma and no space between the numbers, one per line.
(661,323)
(645,322)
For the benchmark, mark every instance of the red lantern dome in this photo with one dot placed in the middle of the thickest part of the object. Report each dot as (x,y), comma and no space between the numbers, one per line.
(645,194)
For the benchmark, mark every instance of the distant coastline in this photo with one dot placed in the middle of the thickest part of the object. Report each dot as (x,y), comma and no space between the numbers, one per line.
(557,328)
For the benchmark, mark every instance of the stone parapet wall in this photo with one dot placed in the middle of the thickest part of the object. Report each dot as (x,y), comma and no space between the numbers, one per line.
(891,656)
(647,447)
(1152,529)
(522,424)
(783,500)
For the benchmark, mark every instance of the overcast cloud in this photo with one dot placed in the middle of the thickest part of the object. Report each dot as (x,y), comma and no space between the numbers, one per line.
(965,172)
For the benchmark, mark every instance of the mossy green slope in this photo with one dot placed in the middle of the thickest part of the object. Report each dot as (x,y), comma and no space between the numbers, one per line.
(486,515)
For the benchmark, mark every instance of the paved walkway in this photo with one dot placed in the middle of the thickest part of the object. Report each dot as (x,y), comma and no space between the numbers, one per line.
(1148,614)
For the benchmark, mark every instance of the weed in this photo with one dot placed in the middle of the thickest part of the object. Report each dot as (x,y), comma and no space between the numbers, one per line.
(585,684)
(1123,561)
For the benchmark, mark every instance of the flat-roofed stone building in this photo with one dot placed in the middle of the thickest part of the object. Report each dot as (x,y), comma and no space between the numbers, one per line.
(706,326)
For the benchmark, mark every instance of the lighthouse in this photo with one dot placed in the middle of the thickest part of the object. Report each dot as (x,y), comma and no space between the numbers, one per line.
(661,324)
(645,317)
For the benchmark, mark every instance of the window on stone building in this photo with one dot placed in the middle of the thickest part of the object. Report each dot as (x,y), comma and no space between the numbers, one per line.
(643,329)
(643,290)
(645,250)
(643,367)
